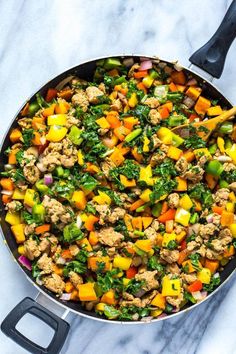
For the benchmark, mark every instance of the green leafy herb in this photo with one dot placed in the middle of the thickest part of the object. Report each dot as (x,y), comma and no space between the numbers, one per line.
(202,193)
(162,187)
(72,233)
(194,142)
(27,135)
(75,266)
(134,286)
(107,281)
(110,312)
(189,297)
(35,270)
(165,169)
(215,281)
(153,264)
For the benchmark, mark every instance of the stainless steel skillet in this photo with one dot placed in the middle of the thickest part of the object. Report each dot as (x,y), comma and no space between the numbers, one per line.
(209,62)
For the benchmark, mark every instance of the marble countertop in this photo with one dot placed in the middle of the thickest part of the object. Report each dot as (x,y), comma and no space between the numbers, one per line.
(40,39)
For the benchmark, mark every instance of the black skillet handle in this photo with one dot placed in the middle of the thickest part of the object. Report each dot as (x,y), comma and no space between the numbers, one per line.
(211,57)
(30,306)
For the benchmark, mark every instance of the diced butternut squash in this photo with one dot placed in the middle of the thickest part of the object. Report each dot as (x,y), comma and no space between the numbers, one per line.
(159,301)
(15,135)
(127,183)
(146,220)
(117,157)
(137,223)
(109,297)
(94,261)
(87,292)
(144,245)
(90,221)
(202,105)
(212,265)
(229,252)
(18,232)
(93,239)
(193,92)
(128,222)
(227,218)
(7,184)
(178,77)
(85,244)
(181,184)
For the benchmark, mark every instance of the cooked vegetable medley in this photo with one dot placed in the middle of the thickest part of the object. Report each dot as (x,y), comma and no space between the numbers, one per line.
(109,207)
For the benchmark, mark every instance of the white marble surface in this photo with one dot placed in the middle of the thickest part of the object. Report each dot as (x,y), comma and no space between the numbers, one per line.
(40,39)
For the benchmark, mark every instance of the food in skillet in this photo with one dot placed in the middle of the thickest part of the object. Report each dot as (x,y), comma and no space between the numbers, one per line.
(108,206)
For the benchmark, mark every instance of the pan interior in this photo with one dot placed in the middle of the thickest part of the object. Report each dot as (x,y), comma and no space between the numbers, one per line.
(85,71)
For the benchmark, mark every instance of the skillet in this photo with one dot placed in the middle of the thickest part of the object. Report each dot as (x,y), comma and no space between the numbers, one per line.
(207,61)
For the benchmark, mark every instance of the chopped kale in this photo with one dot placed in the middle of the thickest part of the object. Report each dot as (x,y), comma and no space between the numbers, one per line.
(194,142)
(215,281)
(162,187)
(165,169)
(27,135)
(75,266)
(72,233)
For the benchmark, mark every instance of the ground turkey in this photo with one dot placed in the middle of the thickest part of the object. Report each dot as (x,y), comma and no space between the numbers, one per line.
(45,264)
(175,300)
(221,196)
(13,206)
(75,278)
(181,165)
(149,278)
(169,256)
(108,236)
(93,93)
(55,211)
(106,166)
(208,230)
(152,102)
(80,99)
(31,249)
(173,200)
(194,174)
(54,283)
(116,214)
(31,173)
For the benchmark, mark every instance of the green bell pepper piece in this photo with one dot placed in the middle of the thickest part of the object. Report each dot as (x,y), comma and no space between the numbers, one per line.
(212,149)
(175,121)
(226,128)
(41,187)
(194,218)
(156,210)
(228,143)
(177,140)
(112,63)
(131,136)
(59,171)
(174,96)
(74,135)
(223,184)
(38,212)
(33,108)
(214,168)
(138,233)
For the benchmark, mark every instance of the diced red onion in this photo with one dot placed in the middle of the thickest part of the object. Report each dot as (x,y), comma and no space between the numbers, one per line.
(61,260)
(41,167)
(224,158)
(39,281)
(145,65)
(28,208)
(216,275)
(78,222)
(188,102)
(140,293)
(209,218)
(4,191)
(147,319)
(197,295)
(64,82)
(25,262)
(192,82)
(8,167)
(175,310)
(193,229)
(65,296)
(162,315)
(204,294)
(48,179)
(128,62)
(43,140)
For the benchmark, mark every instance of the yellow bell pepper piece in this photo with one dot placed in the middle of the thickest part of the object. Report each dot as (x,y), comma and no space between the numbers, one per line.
(174,153)
(126,281)
(221,144)
(165,135)
(127,183)
(79,199)
(232,228)
(13,218)
(170,287)
(232,197)
(156,313)
(100,307)
(186,202)
(102,198)
(87,292)
(18,194)
(230,207)
(128,222)
(57,119)
(145,196)
(18,232)
(182,216)
(214,111)
(204,275)
(167,238)
(159,301)
(85,244)
(146,143)
(103,123)
(123,263)
(232,153)
(80,157)
(133,101)
(202,152)
(144,245)
(146,175)
(148,81)
(21,250)
(31,197)
(56,133)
